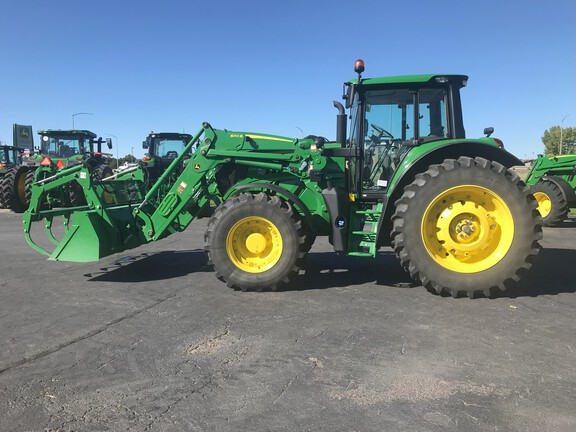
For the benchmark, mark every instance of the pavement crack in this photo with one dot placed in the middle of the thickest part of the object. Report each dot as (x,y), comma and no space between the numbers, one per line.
(286,387)
(88,335)
(211,343)
(169,407)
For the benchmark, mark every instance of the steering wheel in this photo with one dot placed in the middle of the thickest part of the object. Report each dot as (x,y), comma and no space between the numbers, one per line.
(171,155)
(381,131)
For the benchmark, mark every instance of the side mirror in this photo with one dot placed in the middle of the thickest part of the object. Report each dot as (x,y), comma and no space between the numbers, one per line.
(109,143)
(350,93)
(145,144)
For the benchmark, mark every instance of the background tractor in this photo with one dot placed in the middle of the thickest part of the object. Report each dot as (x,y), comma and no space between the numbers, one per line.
(10,157)
(162,148)
(460,222)
(552,180)
(12,172)
(59,149)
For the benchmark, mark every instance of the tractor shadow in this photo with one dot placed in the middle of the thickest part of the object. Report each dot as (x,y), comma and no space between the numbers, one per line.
(328,270)
(147,267)
(567,223)
(325,270)
(550,275)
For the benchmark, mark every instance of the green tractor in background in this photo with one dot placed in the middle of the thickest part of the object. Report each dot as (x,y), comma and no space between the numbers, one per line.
(162,148)
(552,180)
(10,157)
(12,172)
(459,220)
(60,149)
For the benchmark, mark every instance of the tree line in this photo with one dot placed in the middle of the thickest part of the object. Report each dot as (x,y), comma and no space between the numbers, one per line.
(556,135)
(115,163)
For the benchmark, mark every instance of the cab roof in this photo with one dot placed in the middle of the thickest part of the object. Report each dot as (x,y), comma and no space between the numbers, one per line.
(67,133)
(431,79)
(170,135)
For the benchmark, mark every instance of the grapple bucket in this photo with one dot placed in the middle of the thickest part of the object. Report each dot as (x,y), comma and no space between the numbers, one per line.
(87,238)
(103,216)
(104,225)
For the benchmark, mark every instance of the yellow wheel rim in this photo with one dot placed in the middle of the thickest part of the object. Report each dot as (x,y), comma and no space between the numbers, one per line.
(467,229)
(254,244)
(544,203)
(21,188)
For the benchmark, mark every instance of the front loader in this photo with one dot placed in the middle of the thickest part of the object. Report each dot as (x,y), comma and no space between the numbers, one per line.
(405,176)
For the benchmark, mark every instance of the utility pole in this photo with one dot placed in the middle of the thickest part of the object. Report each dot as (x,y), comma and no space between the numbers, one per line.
(562,130)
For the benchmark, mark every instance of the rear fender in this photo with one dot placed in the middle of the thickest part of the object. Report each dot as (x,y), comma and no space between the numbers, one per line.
(419,164)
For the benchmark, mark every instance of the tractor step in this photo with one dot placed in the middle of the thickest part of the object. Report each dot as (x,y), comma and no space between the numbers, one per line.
(361,254)
(363,234)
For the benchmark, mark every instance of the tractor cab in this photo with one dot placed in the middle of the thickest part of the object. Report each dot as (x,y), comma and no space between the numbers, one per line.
(163,148)
(9,156)
(391,115)
(69,143)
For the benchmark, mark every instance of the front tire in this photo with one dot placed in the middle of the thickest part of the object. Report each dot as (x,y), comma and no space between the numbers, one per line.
(466,226)
(255,242)
(552,203)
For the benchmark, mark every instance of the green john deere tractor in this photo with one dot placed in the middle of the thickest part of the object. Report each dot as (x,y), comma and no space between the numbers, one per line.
(163,148)
(552,180)
(12,172)
(10,157)
(405,176)
(60,149)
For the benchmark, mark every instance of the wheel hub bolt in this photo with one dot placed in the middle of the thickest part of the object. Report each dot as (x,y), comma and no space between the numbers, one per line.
(465,228)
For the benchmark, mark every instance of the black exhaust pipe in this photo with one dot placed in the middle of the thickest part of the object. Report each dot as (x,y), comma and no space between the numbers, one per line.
(340,124)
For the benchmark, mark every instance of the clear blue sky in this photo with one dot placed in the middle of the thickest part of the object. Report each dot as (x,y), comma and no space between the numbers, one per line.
(275,67)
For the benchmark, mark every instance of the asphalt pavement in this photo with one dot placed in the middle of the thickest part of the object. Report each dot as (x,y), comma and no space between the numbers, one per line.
(150,340)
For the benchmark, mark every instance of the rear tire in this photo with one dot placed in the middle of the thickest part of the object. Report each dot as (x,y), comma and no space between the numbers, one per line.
(102,171)
(552,203)
(466,227)
(13,189)
(255,242)
(30,177)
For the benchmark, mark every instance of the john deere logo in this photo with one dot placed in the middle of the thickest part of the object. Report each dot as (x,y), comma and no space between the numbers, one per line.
(24,133)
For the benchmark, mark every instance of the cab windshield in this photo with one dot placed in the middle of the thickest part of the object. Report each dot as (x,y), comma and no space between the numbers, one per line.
(65,147)
(392,111)
(169,148)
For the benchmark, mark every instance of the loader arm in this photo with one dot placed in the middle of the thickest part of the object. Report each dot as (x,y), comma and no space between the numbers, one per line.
(187,196)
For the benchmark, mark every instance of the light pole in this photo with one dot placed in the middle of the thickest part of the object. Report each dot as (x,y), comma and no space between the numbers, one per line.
(117,148)
(74,115)
(561,130)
